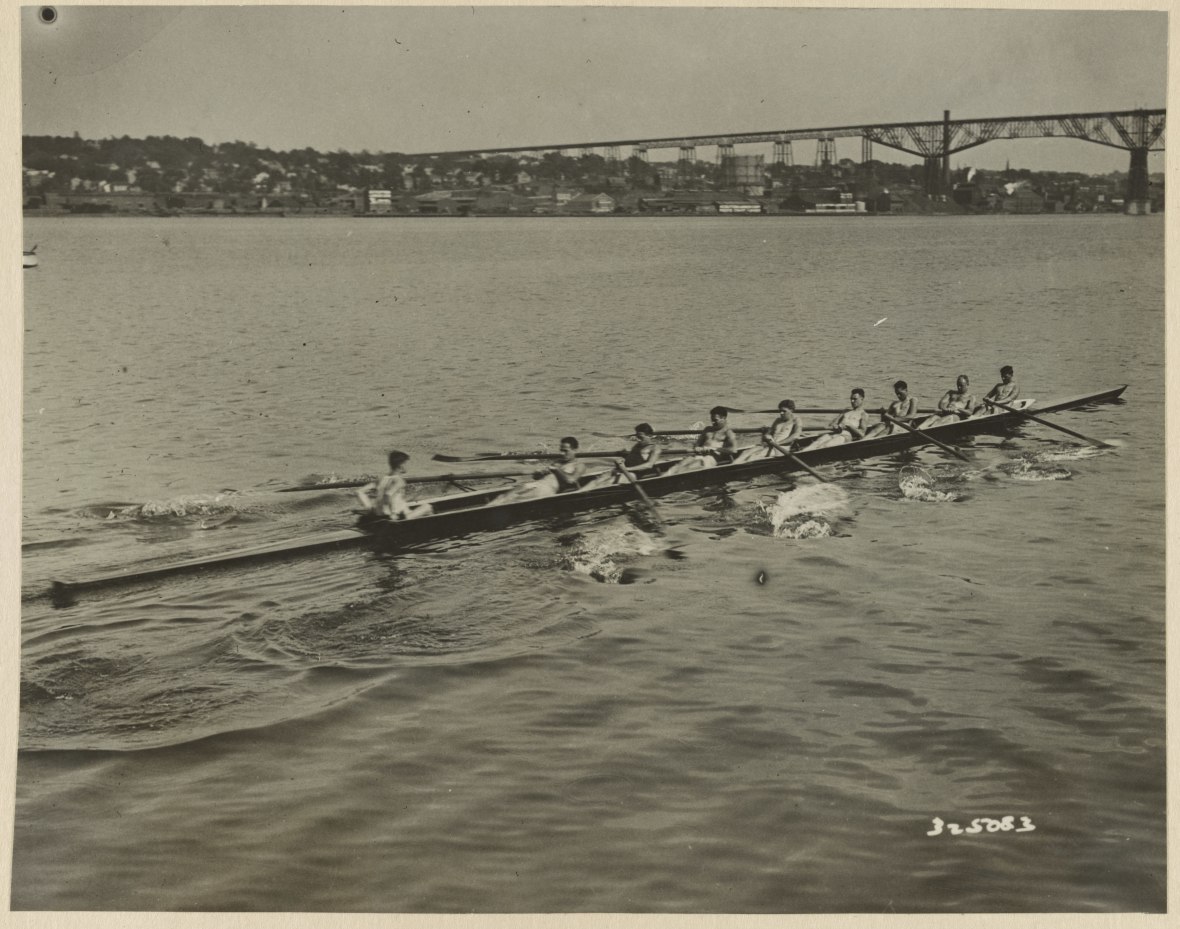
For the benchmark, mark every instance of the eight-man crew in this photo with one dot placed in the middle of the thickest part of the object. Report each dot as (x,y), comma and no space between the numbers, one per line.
(716,443)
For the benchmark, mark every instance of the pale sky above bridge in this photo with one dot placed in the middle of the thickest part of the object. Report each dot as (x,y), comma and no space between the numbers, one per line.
(441,78)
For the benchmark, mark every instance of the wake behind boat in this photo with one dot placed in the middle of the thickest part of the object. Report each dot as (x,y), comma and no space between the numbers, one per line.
(30,258)
(469,511)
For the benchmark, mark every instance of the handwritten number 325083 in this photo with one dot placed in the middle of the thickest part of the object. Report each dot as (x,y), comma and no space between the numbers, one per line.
(984,824)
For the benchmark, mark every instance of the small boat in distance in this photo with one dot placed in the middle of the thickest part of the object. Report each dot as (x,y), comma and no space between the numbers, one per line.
(30,257)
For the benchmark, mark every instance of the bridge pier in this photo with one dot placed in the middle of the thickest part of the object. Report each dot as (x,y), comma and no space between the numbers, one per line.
(1138,185)
(938,167)
(825,153)
(933,175)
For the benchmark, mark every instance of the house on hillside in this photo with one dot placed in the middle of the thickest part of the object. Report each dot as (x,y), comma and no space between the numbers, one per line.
(589,204)
(437,203)
(681,201)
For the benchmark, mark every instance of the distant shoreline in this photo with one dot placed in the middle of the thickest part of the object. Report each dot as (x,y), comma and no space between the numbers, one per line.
(306,214)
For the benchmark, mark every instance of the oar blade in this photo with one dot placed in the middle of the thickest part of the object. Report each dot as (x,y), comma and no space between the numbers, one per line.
(1051,425)
(642,494)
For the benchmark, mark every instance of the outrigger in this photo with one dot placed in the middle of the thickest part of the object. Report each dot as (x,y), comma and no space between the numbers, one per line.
(459,514)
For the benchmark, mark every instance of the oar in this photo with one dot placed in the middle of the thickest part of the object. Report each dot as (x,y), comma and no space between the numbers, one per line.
(417,479)
(797,460)
(647,501)
(673,432)
(1051,425)
(929,438)
(801,411)
(805,411)
(522,456)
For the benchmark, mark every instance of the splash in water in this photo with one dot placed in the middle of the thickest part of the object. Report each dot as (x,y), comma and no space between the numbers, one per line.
(1026,469)
(604,553)
(805,512)
(918,484)
(206,511)
(1068,453)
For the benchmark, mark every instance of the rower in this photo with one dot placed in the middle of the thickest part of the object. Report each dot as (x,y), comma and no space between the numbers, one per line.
(388,493)
(956,404)
(564,476)
(716,443)
(849,426)
(645,451)
(784,430)
(643,454)
(1007,391)
(903,409)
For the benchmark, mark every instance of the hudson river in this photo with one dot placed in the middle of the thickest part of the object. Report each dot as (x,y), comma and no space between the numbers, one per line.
(762,710)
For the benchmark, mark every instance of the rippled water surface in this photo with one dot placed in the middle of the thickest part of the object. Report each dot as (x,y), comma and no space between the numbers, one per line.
(762,709)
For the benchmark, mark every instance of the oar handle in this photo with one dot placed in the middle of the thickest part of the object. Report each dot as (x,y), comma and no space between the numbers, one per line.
(947,448)
(797,460)
(1051,425)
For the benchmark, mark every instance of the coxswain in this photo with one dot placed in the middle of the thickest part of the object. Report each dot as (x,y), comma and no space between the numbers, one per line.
(387,495)
(783,431)
(849,426)
(903,409)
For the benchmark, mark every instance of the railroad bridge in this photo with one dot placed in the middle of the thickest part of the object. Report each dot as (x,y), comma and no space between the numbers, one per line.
(1136,131)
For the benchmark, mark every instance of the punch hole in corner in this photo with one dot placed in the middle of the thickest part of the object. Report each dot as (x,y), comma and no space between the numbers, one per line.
(47,15)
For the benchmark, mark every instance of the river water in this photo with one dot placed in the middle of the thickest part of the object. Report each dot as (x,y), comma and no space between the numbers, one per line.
(762,710)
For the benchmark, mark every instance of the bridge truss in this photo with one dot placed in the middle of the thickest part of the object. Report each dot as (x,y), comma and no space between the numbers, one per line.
(1136,131)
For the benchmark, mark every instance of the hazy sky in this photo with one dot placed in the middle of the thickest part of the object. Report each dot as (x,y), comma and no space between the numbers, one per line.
(414,79)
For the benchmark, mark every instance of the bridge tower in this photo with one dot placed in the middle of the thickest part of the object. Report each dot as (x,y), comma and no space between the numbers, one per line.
(782,154)
(1137,136)
(938,166)
(612,153)
(825,152)
(866,149)
(724,150)
(639,152)
(688,159)
(1138,199)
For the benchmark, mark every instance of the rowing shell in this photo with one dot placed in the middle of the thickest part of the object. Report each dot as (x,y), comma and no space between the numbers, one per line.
(474,511)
